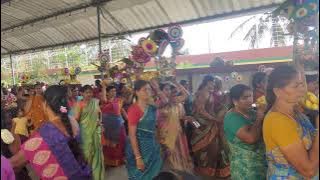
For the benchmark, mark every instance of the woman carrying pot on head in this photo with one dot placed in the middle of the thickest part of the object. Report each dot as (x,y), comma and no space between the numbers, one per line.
(170,130)
(114,130)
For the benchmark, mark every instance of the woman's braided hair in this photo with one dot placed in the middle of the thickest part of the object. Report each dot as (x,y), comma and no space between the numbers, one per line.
(56,97)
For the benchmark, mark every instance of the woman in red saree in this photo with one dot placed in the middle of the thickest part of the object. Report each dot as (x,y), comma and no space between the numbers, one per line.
(114,130)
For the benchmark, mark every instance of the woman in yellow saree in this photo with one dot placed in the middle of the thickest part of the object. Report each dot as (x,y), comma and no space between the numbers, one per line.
(170,132)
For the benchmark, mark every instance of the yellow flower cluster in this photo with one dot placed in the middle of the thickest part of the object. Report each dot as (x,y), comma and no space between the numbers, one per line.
(261,101)
(311,101)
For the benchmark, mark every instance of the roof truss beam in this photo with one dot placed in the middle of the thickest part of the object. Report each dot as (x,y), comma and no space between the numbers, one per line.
(64,11)
(188,22)
(5,1)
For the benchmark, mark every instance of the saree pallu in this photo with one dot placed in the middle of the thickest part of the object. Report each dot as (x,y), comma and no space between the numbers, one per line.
(114,139)
(247,162)
(278,166)
(210,150)
(90,133)
(50,156)
(148,146)
(179,158)
(173,139)
(36,113)
(6,169)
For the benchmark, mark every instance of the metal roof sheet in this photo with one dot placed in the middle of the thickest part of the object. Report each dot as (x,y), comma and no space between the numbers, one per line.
(39,24)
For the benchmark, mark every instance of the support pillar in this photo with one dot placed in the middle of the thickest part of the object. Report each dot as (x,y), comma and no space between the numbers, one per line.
(99,32)
(12,71)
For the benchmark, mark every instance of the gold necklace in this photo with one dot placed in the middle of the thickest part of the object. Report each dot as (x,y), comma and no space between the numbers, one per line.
(288,115)
(245,116)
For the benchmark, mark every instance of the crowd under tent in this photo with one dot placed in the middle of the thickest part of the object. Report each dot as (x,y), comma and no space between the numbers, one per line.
(39,25)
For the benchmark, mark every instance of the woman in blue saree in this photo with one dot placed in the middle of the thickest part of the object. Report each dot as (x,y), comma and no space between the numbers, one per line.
(142,149)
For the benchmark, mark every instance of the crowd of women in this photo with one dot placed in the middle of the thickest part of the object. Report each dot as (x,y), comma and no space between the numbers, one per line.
(158,130)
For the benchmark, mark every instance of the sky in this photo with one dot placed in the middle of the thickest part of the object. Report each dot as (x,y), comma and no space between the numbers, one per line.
(213,37)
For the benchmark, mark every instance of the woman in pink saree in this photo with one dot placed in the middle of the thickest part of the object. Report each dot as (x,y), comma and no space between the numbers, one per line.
(52,150)
(6,169)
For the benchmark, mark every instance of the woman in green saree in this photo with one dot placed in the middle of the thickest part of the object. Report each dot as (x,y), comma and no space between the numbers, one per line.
(242,128)
(88,114)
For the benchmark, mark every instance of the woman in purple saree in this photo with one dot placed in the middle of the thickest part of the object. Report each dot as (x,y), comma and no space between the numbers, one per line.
(52,150)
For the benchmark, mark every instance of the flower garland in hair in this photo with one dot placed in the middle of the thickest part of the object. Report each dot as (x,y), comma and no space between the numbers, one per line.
(63,109)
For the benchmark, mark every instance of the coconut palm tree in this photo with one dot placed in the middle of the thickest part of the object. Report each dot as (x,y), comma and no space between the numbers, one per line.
(261,25)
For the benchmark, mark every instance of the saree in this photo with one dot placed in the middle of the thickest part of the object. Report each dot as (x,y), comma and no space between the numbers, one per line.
(247,161)
(6,153)
(6,169)
(114,132)
(173,139)
(149,148)
(210,151)
(50,156)
(36,112)
(90,133)
(278,166)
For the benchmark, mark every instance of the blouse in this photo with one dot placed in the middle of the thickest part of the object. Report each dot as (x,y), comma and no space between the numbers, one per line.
(134,114)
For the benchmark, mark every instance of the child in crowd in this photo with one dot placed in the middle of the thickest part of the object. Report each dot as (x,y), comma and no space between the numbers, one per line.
(20,126)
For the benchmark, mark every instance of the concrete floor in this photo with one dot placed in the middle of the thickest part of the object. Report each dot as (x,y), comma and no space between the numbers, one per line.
(120,173)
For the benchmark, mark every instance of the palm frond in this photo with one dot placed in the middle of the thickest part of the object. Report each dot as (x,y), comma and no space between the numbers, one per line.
(249,33)
(263,29)
(271,41)
(254,43)
(241,26)
(251,36)
(281,38)
(263,25)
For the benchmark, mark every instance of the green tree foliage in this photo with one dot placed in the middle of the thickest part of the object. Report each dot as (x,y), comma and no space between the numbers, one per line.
(47,65)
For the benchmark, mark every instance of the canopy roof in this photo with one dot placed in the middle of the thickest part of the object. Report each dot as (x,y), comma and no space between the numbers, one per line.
(29,25)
